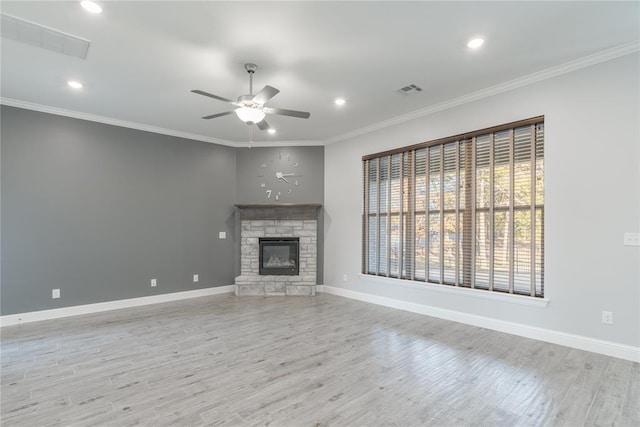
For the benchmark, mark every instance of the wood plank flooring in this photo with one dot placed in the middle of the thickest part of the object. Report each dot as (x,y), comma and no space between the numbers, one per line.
(321,361)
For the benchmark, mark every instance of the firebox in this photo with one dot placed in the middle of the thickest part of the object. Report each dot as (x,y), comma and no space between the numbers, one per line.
(279,256)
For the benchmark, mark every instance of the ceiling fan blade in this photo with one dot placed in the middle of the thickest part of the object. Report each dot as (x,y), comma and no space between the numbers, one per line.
(213,116)
(263,125)
(210,95)
(265,94)
(283,112)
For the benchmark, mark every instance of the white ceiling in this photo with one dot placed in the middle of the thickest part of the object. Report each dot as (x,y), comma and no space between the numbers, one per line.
(145,57)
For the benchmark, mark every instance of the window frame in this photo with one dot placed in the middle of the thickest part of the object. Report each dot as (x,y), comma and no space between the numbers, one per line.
(464,218)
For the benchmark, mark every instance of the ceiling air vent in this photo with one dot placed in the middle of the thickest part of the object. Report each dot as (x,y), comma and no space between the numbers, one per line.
(410,89)
(40,36)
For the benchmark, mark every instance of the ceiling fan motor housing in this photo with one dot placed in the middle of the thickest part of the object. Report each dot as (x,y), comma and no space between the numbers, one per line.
(245,100)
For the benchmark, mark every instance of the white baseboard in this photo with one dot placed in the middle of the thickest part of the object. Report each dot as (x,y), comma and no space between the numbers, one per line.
(608,348)
(56,313)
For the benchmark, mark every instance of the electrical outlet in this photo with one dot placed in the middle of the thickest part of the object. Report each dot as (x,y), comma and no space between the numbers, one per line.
(154,283)
(195,278)
(344,277)
(55,293)
(222,235)
(632,239)
(607,317)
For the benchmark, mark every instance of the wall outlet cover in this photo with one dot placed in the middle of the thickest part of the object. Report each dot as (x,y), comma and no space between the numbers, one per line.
(154,283)
(222,235)
(55,293)
(632,239)
(195,278)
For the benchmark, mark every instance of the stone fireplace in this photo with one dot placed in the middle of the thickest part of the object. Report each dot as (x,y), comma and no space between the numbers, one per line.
(278,249)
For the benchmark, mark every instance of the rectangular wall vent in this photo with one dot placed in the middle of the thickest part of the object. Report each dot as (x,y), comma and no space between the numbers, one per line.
(410,89)
(43,37)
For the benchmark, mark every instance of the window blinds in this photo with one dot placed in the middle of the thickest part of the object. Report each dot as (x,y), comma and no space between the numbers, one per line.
(463,211)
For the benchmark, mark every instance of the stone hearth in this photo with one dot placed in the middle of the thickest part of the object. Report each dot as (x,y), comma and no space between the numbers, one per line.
(283,220)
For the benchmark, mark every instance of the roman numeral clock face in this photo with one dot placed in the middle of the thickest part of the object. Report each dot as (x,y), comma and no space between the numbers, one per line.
(279,177)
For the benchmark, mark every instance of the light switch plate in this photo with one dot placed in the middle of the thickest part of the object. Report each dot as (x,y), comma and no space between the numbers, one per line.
(222,235)
(632,239)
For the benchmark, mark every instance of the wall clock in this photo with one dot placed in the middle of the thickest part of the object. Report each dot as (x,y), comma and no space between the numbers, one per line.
(279,176)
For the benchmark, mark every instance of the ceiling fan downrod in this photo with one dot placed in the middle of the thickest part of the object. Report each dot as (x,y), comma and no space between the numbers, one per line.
(251,68)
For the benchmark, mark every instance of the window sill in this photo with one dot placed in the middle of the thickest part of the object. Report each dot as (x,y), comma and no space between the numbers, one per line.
(473,293)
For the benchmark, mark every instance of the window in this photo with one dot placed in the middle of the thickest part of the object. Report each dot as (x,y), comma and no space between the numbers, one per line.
(464,211)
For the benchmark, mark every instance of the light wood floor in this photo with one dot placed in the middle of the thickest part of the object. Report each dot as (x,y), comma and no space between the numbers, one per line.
(300,361)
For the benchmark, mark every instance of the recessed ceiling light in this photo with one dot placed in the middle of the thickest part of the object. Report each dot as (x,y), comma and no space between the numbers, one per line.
(74,84)
(90,6)
(271,131)
(339,101)
(475,43)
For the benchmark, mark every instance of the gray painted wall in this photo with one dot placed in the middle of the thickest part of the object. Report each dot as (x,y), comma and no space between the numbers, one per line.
(98,210)
(592,197)
(309,173)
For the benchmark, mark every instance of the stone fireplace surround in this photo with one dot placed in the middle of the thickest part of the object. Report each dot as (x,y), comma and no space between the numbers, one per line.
(281,220)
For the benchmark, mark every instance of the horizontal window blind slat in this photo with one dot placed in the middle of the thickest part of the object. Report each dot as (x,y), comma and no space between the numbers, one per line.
(460,212)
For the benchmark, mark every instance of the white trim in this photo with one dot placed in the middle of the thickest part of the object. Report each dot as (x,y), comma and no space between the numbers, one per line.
(608,348)
(146,128)
(108,120)
(587,61)
(260,144)
(474,293)
(56,313)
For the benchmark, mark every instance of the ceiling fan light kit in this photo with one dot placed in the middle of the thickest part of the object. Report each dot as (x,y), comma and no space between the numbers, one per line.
(251,109)
(250,115)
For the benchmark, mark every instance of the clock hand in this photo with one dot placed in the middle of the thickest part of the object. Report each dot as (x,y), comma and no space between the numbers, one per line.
(281,176)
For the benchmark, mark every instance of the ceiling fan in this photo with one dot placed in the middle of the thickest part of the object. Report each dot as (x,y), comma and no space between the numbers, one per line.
(251,109)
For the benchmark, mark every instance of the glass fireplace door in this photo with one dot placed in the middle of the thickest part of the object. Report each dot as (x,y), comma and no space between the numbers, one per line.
(279,256)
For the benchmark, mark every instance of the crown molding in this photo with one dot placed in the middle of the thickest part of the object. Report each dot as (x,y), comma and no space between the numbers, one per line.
(109,121)
(587,61)
(567,67)
(148,128)
(262,144)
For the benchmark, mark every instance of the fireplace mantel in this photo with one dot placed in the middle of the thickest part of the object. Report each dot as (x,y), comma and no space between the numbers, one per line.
(279,211)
